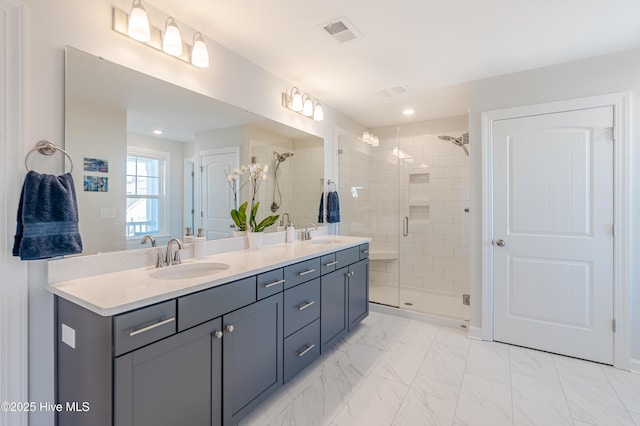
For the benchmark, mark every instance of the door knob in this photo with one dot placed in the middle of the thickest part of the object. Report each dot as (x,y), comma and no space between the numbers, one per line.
(229,328)
(217,334)
(501,243)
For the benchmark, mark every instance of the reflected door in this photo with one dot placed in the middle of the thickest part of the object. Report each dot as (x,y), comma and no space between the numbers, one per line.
(216,197)
(553,232)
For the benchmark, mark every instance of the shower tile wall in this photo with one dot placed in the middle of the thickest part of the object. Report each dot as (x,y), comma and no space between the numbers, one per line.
(307,171)
(433,192)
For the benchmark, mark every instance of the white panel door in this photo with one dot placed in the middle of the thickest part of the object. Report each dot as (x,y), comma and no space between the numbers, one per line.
(216,198)
(553,232)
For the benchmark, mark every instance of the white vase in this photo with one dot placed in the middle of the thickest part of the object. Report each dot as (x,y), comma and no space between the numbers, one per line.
(239,233)
(255,240)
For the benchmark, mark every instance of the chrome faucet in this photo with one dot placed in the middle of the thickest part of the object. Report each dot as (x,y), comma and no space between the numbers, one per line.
(150,238)
(170,259)
(287,222)
(307,231)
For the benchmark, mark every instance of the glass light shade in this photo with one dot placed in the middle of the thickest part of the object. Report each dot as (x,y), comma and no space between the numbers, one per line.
(296,101)
(138,28)
(376,141)
(199,54)
(318,114)
(172,41)
(307,106)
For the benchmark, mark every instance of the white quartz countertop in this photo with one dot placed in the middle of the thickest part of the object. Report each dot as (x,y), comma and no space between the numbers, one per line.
(118,292)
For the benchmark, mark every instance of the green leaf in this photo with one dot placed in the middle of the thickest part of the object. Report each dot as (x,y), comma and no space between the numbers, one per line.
(239,217)
(266,222)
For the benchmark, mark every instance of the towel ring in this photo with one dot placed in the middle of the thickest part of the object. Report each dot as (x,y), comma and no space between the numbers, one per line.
(329,183)
(46,148)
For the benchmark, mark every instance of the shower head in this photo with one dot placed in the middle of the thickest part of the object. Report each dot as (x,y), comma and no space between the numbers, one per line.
(460,141)
(279,158)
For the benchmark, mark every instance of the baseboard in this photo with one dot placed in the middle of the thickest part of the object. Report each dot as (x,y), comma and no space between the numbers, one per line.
(418,316)
(634,366)
(475,333)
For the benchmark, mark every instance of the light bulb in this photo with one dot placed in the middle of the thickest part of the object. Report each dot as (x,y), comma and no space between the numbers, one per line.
(318,114)
(199,54)
(307,106)
(296,101)
(172,42)
(139,23)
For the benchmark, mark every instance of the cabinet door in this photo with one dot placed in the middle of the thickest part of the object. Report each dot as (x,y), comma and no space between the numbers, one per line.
(333,307)
(252,356)
(171,382)
(358,292)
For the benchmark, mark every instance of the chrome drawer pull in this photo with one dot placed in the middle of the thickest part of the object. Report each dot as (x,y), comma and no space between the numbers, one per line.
(306,305)
(365,251)
(306,272)
(273,283)
(335,262)
(151,327)
(303,353)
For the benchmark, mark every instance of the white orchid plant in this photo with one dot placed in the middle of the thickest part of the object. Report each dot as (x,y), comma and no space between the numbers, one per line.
(257,173)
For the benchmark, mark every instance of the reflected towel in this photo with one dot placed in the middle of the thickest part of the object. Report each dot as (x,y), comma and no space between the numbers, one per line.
(321,209)
(47,218)
(333,207)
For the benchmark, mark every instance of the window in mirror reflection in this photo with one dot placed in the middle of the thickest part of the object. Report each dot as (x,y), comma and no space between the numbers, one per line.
(145,193)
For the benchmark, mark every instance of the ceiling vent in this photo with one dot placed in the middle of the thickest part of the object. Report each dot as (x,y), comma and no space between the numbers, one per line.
(341,30)
(388,92)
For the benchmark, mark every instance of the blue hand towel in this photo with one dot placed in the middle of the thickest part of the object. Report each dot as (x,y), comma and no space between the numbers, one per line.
(333,207)
(47,218)
(321,209)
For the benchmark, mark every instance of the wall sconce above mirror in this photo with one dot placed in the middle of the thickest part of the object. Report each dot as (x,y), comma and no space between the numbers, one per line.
(303,104)
(136,25)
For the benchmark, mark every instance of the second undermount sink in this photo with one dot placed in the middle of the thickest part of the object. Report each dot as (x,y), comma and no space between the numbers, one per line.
(189,270)
(325,241)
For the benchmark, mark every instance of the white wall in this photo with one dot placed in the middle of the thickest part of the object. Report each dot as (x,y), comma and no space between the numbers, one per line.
(86,25)
(594,76)
(96,131)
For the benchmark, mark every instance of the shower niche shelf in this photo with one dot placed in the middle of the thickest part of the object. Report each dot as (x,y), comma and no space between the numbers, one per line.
(419,213)
(419,187)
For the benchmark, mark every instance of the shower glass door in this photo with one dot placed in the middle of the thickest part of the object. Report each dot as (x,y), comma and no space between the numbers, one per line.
(409,194)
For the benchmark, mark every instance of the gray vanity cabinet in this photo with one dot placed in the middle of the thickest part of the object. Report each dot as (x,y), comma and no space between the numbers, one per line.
(176,381)
(344,295)
(252,356)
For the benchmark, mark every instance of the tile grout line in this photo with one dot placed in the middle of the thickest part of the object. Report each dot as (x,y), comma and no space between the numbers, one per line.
(464,373)
(615,391)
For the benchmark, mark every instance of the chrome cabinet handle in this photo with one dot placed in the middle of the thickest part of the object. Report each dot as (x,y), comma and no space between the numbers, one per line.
(229,328)
(307,349)
(365,251)
(151,327)
(501,243)
(273,283)
(306,272)
(306,305)
(350,273)
(218,334)
(335,262)
(405,226)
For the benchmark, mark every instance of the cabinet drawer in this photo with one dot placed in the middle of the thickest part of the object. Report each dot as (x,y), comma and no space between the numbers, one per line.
(208,304)
(135,329)
(364,251)
(328,263)
(269,283)
(347,257)
(300,349)
(301,272)
(301,305)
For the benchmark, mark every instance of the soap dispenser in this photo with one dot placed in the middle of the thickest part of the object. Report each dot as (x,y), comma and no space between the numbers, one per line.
(188,236)
(291,233)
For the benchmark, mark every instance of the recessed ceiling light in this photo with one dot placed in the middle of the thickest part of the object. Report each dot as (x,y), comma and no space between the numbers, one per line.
(408,111)
(157,132)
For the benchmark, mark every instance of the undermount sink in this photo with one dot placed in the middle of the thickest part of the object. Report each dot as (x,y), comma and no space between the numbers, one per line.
(325,241)
(190,270)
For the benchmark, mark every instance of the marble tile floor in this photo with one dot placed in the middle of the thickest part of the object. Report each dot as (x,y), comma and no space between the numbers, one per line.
(404,372)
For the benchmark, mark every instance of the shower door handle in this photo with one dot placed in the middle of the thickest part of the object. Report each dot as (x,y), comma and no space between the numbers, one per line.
(405,226)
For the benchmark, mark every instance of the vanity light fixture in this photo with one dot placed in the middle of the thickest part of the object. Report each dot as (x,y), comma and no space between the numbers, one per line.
(303,104)
(199,55)
(370,139)
(171,40)
(137,26)
(318,114)
(307,105)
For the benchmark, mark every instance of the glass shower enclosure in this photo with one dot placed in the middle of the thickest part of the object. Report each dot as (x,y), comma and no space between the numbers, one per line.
(409,192)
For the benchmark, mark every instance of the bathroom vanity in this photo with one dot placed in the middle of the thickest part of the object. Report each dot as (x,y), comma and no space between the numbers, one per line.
(203,350)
